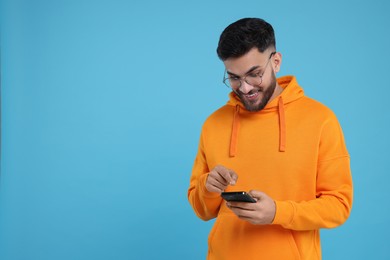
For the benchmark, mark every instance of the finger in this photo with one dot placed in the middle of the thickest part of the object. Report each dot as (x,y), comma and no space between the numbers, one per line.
(217,184)
(229,176)
(250,216)
(233,176)
(223,174)
(248,206)
(243,213)
(216,179)
(215,189)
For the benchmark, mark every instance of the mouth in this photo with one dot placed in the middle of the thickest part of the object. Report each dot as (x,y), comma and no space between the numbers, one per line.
(251,95)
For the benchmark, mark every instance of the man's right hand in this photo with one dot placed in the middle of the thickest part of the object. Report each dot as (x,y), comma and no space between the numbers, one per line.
(219,178)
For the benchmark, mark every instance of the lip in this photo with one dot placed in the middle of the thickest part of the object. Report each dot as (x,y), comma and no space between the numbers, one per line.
(252,96)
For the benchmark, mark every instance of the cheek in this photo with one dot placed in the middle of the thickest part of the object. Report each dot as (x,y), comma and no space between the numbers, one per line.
(270,84)
(271,80)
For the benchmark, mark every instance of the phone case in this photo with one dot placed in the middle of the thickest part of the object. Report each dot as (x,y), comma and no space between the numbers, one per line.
(241,196)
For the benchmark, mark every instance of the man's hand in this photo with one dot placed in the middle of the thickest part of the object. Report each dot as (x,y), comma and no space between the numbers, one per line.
(219,178)
(260,213)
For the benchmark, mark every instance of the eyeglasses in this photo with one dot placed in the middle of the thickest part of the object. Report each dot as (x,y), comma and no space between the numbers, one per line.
(252,78)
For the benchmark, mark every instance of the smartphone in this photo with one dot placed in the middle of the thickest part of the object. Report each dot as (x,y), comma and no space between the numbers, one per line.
(241,196)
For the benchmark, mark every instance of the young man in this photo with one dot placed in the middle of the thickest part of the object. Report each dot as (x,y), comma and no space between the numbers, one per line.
(286,149)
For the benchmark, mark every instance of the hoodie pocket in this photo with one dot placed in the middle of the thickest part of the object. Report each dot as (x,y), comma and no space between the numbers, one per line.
(232,238)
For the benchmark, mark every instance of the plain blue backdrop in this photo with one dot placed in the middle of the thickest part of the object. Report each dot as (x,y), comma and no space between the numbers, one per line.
(102,104)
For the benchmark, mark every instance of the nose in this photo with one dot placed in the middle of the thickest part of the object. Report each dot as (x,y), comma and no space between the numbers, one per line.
(245,87)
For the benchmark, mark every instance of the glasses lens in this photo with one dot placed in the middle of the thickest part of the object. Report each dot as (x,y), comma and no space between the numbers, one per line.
(254,80)
(232,82)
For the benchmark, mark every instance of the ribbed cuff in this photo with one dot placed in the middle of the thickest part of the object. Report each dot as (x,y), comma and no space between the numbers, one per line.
(284,213)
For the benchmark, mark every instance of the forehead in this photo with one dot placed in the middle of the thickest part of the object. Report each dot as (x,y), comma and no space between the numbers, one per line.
(241,65)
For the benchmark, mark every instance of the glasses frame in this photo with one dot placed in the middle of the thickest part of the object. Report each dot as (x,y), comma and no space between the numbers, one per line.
(227,79)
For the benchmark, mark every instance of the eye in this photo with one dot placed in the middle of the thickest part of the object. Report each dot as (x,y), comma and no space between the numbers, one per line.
(254,74)
(234,78)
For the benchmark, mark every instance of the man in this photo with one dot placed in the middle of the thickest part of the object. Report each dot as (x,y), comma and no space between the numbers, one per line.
(286,149)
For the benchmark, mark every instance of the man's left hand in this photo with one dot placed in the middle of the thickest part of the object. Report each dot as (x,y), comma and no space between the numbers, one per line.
(260,213)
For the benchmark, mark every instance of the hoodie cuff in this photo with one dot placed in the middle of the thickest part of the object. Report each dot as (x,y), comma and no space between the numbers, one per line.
(284,213)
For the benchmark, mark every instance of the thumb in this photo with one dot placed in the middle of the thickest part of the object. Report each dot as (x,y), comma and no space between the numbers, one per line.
(259,195)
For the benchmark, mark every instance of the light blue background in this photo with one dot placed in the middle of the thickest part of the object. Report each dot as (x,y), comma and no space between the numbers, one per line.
(102,105)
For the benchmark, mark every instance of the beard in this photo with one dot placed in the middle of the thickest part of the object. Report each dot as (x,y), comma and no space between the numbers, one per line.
(267,94)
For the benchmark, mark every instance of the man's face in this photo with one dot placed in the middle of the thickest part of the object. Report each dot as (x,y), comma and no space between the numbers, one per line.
(252,65)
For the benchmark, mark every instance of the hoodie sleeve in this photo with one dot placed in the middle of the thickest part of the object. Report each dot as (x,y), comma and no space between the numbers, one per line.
(205,204)
(334,193)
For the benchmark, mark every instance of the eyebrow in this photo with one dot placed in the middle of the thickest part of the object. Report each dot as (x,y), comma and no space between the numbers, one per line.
(246,73)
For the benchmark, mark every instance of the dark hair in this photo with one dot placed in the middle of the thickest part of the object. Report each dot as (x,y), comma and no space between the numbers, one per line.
(241,36)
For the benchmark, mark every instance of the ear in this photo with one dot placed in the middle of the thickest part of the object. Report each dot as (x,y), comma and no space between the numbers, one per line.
(277,58)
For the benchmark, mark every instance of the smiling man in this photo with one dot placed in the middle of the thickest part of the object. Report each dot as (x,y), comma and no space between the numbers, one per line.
(285,149)
(249,89)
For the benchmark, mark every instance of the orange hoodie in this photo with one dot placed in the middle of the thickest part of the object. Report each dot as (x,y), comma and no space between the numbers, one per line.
(294,151)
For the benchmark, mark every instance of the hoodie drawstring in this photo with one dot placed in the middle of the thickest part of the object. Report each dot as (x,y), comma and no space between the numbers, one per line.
(282,126)
(236,126)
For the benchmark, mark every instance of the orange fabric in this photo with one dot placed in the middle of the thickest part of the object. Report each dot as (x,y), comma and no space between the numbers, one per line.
(294,151)
(282,126)
(235,127)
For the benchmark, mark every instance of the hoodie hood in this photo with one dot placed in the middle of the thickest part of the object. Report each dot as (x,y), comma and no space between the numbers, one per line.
(291,92)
